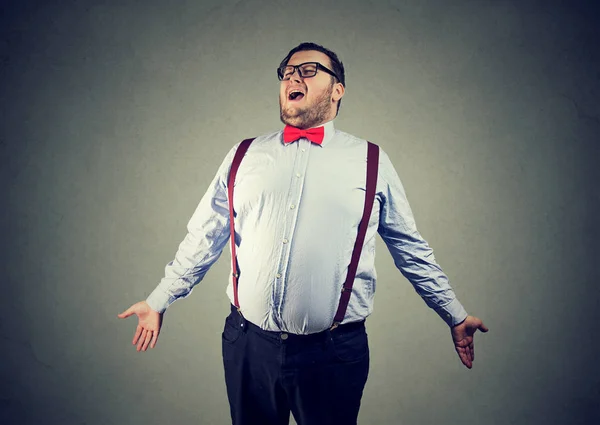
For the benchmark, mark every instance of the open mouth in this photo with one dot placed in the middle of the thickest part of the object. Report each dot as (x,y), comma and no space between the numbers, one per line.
(295,95)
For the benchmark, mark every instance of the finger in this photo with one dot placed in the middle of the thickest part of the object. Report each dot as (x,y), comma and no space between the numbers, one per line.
(468,363)
(142,339)
(138,332)
(483,328)
(147,340)
(154,339)
(472,352)
(464,358)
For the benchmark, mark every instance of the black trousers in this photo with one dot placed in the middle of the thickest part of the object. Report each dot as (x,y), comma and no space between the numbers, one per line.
(318,377)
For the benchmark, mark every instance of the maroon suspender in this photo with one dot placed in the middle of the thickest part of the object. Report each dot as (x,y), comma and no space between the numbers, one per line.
(372,170)
(372,167)
(237,159)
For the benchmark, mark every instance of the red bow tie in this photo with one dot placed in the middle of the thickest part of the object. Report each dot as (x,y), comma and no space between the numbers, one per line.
(293,133)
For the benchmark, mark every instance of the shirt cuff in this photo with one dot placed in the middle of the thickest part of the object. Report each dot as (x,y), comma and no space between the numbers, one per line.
(159,301)
(452,313)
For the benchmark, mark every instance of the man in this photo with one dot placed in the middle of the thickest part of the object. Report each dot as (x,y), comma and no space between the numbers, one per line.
(298,205)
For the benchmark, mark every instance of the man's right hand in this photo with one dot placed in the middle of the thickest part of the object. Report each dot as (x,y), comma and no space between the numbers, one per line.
(148,328)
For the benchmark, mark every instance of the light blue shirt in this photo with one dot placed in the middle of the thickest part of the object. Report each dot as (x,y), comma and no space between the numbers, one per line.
(298,207)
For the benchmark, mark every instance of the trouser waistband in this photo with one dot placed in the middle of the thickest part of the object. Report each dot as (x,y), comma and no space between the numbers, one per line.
(343,328)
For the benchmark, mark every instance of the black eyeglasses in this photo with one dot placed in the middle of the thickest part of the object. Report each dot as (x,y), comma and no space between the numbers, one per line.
(305,70)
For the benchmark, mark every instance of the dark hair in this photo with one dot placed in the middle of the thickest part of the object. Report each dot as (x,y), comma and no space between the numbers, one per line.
(336,63)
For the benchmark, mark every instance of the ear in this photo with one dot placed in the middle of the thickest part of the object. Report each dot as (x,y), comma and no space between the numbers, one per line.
(338,92)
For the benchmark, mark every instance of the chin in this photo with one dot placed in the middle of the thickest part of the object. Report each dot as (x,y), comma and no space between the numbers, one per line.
(290,121)
(289,117)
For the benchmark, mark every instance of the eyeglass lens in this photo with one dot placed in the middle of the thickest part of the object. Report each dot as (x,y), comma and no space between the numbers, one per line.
(304,70)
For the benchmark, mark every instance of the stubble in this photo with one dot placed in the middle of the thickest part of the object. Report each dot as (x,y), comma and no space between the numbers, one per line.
(308,116)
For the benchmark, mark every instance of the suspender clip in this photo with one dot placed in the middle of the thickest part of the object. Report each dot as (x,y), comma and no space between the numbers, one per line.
(335,325)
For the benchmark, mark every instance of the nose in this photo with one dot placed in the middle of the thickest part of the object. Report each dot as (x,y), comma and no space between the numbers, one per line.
(296,75)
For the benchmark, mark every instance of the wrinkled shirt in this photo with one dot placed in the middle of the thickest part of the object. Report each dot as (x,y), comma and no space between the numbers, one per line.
(298,207)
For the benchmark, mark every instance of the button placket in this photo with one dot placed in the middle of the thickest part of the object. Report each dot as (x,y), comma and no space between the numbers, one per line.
(294,192)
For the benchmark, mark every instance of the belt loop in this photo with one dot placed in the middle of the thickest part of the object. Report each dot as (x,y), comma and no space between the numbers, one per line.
(243,321)
(328,343)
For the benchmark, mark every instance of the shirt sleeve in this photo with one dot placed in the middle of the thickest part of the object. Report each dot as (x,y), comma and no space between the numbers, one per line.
(207,235)
(411,253)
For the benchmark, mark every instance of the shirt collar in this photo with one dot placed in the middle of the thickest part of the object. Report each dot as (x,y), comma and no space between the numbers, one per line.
(329,132)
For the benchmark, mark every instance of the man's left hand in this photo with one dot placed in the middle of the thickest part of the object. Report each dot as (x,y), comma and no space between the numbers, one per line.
(462,335)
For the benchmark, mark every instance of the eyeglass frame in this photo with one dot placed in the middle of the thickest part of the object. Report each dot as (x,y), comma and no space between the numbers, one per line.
(297,69)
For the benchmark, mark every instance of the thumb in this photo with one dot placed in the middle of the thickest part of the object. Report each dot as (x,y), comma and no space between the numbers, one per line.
(130,311)
(480,326)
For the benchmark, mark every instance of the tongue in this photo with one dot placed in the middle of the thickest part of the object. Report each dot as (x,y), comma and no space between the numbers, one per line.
(299,96)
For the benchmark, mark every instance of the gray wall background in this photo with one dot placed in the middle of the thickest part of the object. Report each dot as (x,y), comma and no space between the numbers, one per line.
(116,115)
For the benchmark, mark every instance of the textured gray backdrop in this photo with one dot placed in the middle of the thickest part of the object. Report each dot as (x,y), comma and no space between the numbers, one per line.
(116,115)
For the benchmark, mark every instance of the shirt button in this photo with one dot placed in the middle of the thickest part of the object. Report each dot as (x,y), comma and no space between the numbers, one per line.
(303,150)
(297,174)
(285,241)
(292,206)
(278,275)
(284,336)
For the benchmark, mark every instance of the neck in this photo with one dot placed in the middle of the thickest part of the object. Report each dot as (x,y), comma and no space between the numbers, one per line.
(319,124)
